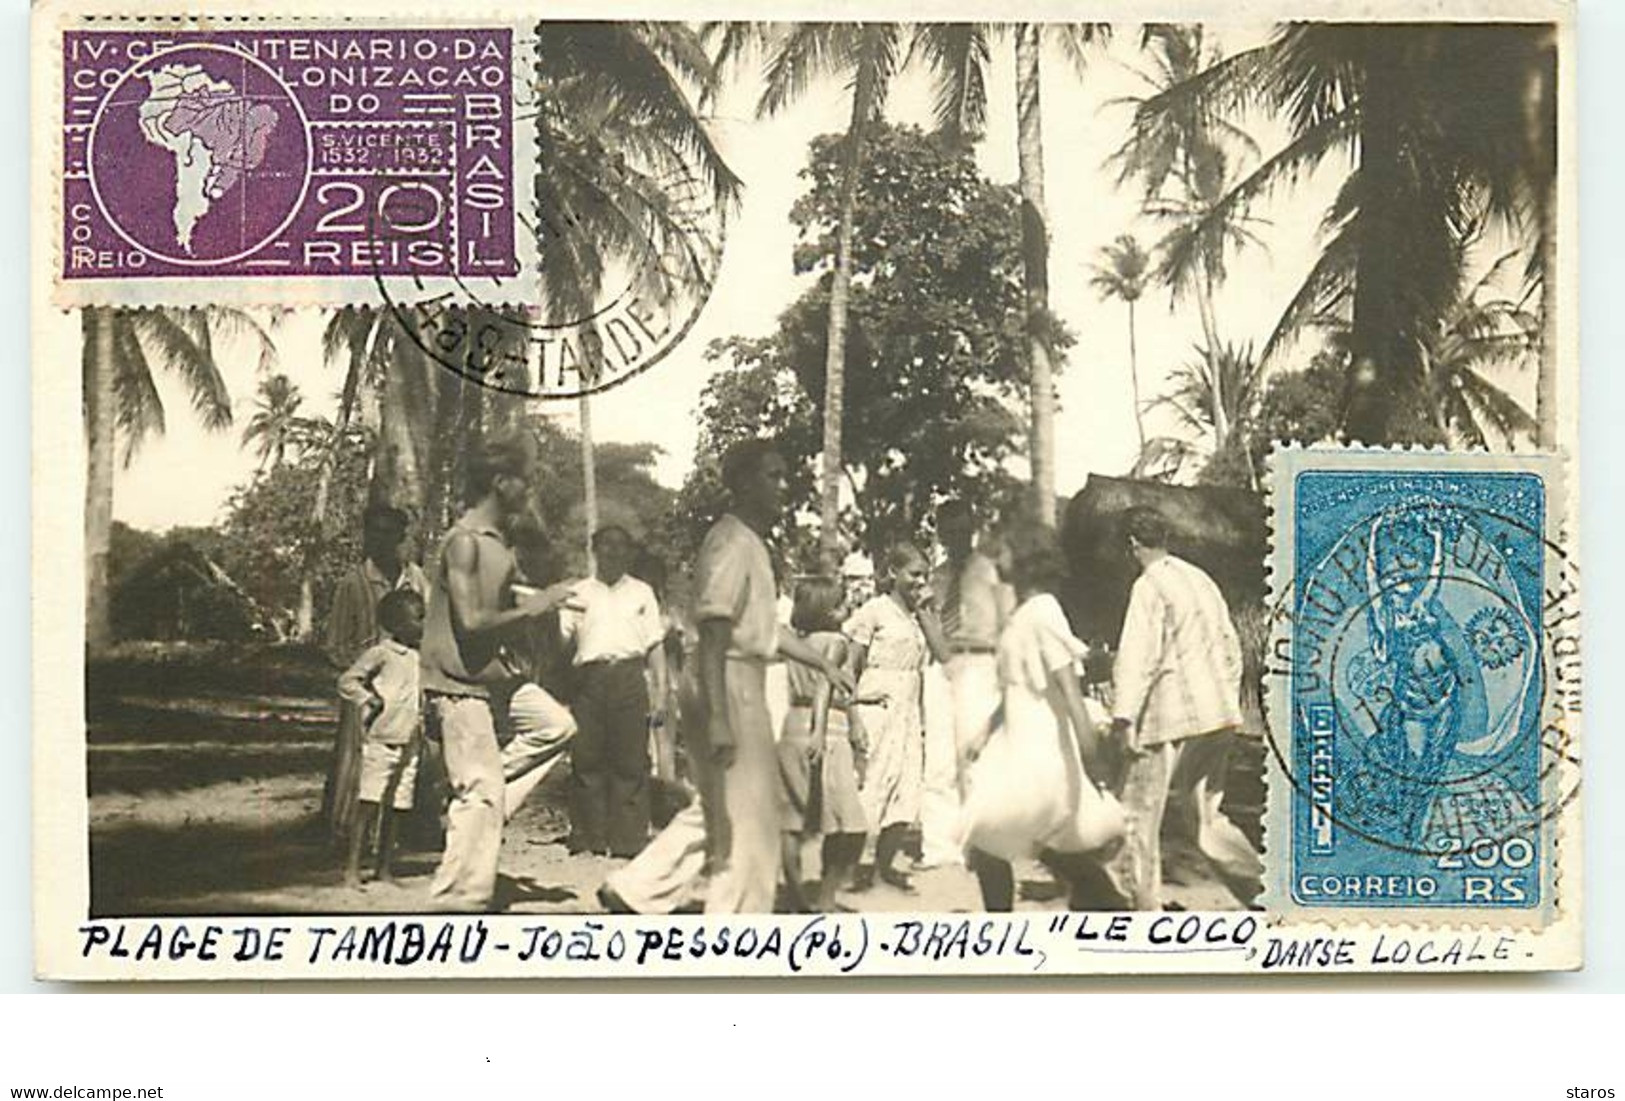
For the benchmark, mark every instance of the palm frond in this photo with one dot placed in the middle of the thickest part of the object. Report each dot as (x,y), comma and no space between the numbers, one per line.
(1324,293)
(806,53)
(1190,244)
(180,340)
(1076,39)
(1225,87)
(1506,414)
(959,55)
(620,71)
(231,323)
(732,43)
(139,409)
(878,57)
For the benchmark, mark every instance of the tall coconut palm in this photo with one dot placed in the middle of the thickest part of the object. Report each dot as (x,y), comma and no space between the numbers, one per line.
(276,424)
(1440,121)
(626,154)
(378,348)
(1035,241)
(1183,165)
(1123,274)
(959,54)
(119,349)
(868,56)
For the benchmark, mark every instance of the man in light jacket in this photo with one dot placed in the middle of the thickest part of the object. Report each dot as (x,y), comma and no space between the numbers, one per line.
(1176,709)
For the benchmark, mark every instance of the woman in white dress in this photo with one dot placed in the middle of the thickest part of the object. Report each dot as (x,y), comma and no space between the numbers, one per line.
(1027,790)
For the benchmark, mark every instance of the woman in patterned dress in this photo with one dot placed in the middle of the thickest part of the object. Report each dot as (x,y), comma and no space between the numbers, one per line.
(893,635)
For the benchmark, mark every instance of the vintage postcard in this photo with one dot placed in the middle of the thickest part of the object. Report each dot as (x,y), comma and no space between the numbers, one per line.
(1047,489)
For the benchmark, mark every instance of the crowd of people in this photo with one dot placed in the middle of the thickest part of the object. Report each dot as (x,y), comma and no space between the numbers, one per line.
(921,717)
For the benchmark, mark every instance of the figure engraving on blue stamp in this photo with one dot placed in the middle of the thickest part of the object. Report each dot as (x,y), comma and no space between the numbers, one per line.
(1417,685)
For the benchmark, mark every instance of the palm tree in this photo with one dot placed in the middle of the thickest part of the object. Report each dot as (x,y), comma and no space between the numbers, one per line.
(1123,274)
(623,146)
(1482,333)
(1442,122)
(1226,385)
(868,56)
(623,149)
(1184,167)
(119,349)
(1475,337)
(1035,241)
(381,354)
(276,423)
(959,55)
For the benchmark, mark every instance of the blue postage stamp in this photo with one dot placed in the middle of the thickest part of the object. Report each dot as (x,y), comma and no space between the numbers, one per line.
(1423,618)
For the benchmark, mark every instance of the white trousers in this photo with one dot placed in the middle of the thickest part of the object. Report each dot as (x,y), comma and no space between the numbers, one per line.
(543,728)
(960,698)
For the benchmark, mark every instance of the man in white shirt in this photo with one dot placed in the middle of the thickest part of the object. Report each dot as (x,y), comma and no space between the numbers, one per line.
(1176,707)
(974,604)
(725,848)
(620,663)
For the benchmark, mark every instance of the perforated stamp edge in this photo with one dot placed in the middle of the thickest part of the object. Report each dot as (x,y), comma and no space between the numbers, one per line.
(292,291)
(1559,908)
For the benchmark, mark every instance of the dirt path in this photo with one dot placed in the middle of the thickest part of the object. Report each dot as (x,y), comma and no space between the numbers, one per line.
(251,846)
(206,799)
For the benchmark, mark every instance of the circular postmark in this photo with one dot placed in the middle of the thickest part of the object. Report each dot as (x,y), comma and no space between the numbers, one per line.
(629,248)
(199,156)
(1427,664)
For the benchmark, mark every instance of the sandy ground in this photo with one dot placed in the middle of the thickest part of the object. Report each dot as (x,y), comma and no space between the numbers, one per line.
(209,803)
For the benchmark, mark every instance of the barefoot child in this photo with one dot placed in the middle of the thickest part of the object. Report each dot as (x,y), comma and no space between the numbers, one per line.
(818,750)
(383,682)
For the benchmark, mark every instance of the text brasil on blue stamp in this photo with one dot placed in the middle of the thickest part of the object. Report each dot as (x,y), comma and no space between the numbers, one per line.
(1424,636)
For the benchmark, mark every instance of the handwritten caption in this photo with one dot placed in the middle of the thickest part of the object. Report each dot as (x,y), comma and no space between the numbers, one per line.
(823,945)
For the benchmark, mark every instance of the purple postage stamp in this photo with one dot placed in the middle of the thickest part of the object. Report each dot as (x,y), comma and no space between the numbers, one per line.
(271,164)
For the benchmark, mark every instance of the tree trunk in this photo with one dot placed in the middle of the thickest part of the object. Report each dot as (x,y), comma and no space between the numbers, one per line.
(1134,380)
(1035,268)
(470,436)
(404,486)
(97,365)
(1385,398)
(840,292)
(305,616)
(589,481)
(1546,423)
(1540,126)
(444,445)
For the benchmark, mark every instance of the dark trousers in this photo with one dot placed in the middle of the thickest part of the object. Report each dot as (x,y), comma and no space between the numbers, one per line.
(609,759)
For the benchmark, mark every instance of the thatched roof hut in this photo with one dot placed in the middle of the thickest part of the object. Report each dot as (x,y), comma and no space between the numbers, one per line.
(1221,530)
(181,593)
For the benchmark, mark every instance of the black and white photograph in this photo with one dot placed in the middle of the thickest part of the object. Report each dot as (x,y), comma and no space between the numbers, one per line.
(881,482)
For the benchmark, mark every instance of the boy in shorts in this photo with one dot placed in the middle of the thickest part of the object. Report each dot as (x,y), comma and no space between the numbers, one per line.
(384,683)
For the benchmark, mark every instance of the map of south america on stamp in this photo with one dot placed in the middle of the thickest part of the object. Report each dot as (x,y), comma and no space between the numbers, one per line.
(329,156)
(1425,688)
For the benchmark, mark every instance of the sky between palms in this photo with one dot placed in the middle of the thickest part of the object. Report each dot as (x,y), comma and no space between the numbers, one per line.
(185,477)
